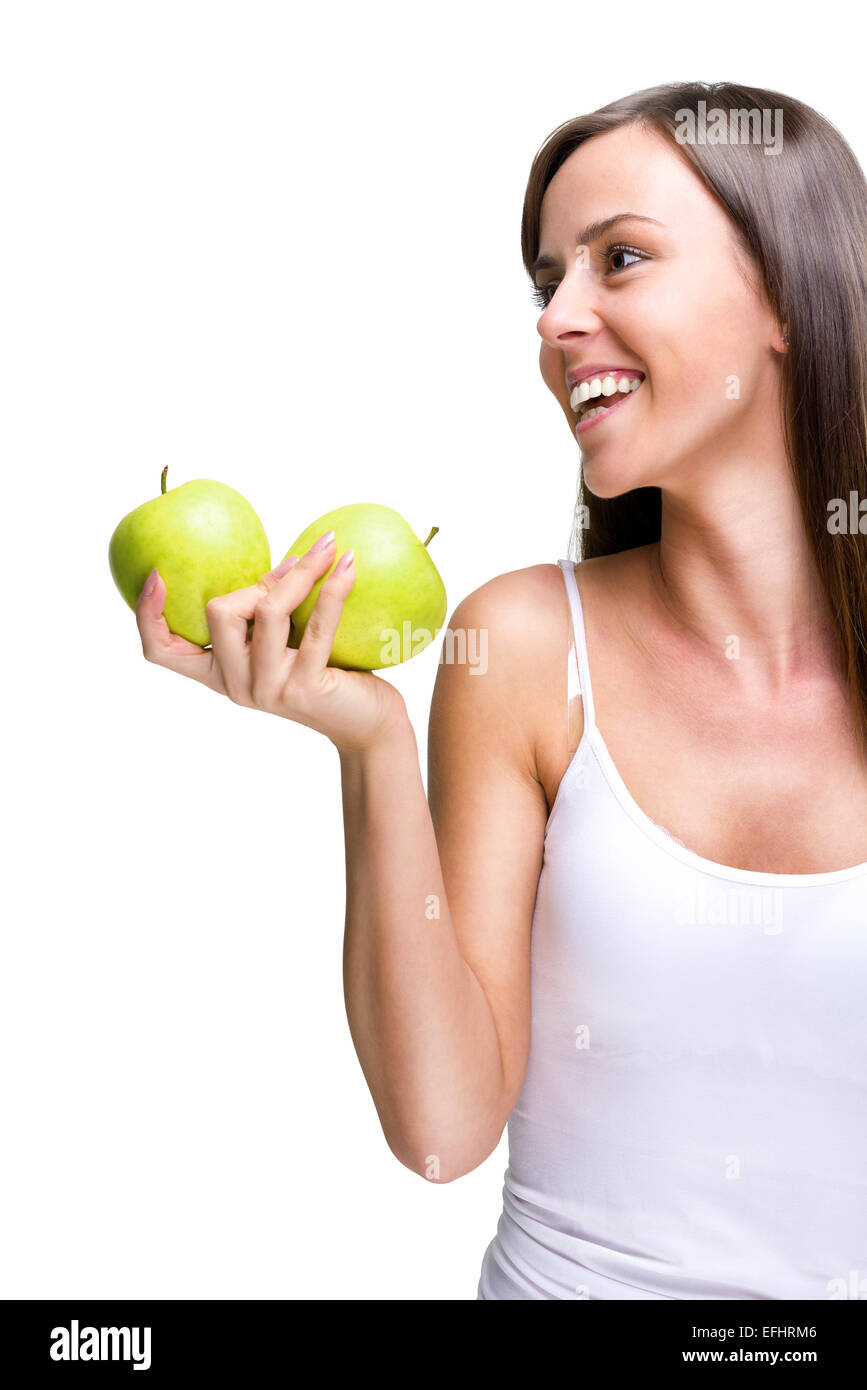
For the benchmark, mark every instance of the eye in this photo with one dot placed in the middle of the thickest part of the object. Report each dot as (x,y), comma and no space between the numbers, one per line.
(542,294)
(619,250)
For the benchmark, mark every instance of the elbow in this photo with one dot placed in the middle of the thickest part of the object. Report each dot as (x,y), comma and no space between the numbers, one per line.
(437,1167)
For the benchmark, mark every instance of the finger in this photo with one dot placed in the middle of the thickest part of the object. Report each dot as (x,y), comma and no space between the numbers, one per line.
(165,648)
(273,577)
(271,658)
(231,615)
(314,649)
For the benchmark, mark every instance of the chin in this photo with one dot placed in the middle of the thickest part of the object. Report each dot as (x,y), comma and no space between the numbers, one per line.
(610,482)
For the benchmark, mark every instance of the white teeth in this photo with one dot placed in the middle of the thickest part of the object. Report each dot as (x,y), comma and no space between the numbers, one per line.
(595,410)
(601,386)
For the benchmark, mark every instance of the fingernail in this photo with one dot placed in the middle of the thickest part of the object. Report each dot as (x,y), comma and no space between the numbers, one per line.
(150,584)
(345,560)
(323,542)
(284,566)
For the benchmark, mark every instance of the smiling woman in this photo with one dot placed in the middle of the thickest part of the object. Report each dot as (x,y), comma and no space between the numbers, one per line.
(644,949)
(691,1120)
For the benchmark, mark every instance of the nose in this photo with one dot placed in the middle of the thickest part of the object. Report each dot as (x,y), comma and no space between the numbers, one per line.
(571,309)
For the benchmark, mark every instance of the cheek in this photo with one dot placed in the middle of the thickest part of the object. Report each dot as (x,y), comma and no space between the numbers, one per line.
(702,333)
(689,344)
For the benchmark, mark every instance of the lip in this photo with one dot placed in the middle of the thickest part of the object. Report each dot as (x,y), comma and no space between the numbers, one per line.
(583,425)
(579,374)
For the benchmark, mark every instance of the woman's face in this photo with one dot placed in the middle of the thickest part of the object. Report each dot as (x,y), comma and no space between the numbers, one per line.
(667,297)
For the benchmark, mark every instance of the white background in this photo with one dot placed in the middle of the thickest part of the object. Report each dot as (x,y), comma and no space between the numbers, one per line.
(278,246)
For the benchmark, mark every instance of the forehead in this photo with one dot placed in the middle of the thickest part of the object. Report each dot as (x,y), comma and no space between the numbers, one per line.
(628,169)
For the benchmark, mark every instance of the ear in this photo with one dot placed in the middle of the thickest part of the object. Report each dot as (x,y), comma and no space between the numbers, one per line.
(780,340)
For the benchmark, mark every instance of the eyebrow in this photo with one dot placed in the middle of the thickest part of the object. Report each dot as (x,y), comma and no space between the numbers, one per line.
(592,233)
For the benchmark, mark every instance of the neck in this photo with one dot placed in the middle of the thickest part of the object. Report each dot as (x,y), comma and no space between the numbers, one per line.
(734,570)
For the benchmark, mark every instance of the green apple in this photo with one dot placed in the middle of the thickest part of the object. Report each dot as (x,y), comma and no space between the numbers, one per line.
(398,601)
(203,537)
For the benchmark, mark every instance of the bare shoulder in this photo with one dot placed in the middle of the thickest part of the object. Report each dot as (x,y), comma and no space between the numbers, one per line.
(525,612)
(522,609)
(516,626)
(538,594)
(520,620)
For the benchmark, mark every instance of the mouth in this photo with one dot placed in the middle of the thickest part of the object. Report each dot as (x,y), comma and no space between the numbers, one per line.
(602,397)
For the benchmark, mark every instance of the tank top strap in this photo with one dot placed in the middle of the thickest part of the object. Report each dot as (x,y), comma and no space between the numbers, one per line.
(583,665)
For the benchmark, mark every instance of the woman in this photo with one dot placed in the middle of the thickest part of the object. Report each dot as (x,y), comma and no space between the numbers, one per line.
(632,922)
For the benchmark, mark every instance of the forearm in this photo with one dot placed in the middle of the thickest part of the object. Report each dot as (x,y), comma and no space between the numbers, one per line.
(419,1019)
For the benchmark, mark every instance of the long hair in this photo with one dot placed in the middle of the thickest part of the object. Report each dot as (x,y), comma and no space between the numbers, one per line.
(800,215)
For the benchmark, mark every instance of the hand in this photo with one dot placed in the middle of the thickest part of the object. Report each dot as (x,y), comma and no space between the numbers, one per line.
(257,669)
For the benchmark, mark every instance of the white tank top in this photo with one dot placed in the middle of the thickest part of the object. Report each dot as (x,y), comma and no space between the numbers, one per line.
(693,1119)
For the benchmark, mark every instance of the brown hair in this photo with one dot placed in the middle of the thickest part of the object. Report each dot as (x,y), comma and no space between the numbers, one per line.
(801,217)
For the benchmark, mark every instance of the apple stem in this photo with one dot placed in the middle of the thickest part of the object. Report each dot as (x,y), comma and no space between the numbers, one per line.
(432,534)
(163,479)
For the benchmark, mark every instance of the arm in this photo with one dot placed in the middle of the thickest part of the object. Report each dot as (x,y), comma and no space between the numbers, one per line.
(440,899)
(436,957)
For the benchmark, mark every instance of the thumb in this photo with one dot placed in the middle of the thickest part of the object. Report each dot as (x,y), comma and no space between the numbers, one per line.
(156,638)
